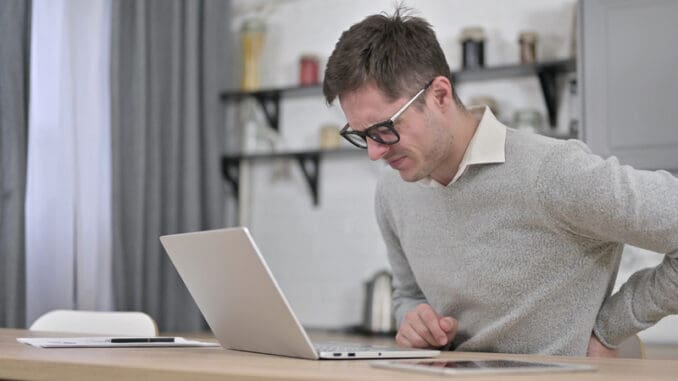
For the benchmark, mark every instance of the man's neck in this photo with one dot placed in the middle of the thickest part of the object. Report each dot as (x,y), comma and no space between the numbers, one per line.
(464,124)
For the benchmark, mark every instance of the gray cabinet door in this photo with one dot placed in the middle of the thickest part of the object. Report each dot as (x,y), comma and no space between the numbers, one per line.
(628,73)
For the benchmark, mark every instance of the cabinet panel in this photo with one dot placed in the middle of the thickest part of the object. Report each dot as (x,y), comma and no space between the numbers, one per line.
(629,82)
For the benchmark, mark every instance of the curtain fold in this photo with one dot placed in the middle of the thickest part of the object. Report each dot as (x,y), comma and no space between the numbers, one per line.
(167,69)
(68,200)
(14,74)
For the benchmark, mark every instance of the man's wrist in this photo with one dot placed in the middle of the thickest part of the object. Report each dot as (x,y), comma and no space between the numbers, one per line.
(602,340)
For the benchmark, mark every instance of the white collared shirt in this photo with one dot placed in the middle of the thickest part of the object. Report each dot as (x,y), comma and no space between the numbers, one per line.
(486,146)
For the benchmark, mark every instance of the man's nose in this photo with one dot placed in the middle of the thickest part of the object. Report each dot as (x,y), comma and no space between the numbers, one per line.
(376,150)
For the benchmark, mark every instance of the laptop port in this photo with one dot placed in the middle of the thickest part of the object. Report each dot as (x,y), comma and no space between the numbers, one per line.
(351,354)
(336,354)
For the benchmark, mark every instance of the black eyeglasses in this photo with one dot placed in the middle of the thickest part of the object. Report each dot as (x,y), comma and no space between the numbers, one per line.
(382,132)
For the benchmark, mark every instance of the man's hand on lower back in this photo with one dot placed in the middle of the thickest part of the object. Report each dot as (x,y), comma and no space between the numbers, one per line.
(597,349)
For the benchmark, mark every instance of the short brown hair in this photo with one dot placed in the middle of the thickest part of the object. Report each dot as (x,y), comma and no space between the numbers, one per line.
(398,53)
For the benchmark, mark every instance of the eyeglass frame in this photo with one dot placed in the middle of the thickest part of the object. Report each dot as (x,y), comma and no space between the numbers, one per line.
(388,124)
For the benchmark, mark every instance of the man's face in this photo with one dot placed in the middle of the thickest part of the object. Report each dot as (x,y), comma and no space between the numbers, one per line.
(424,142)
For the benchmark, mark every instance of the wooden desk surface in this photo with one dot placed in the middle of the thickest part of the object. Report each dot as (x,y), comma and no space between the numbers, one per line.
(23,362)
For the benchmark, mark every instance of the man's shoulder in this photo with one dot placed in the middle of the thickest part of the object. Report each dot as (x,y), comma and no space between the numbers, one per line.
(537,148)
(522,140)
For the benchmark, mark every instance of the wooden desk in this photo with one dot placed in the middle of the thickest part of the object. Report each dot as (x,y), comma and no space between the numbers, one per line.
(22,362)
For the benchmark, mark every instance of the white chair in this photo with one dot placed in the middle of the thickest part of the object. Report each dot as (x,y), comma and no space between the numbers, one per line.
(116,323)
(632,348)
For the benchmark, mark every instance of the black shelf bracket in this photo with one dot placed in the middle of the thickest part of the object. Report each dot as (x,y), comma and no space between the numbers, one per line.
(310,166)
(230,168)
(270,104)
(549,87)
(309,162)
(548,74)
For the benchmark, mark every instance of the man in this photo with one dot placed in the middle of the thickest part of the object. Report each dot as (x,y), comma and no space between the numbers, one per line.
(499,240)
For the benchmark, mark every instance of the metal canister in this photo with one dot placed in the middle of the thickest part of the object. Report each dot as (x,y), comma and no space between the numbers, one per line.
(473,47)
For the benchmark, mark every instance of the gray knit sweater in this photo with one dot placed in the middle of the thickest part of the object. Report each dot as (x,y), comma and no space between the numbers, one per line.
(525,253)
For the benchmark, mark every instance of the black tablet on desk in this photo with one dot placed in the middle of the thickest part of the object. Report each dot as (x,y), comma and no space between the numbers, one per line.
(480,367)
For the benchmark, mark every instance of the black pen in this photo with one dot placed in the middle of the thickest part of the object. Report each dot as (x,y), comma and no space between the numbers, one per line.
(119,340)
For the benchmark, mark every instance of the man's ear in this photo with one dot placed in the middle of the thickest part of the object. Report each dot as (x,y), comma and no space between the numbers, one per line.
(441,89)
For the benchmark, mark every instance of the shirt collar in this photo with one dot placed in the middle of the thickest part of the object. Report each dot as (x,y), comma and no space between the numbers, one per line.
(486,145)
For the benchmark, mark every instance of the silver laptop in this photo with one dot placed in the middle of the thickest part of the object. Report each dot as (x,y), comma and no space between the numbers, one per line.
(242,303)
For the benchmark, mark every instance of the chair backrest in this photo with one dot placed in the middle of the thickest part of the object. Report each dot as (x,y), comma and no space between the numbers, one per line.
(632,347)
(117,323)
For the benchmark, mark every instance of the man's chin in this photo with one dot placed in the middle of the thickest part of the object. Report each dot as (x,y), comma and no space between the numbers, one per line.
(408,176)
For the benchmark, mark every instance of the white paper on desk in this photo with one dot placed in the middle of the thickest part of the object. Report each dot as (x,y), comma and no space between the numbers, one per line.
(105,342)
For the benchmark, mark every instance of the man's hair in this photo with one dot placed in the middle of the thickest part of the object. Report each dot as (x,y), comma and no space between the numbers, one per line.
(398,53)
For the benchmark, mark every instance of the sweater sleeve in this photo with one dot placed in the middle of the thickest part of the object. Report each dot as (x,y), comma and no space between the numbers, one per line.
(406,294)
(602,200)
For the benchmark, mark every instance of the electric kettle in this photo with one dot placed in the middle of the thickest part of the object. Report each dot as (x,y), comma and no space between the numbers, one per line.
(378,315)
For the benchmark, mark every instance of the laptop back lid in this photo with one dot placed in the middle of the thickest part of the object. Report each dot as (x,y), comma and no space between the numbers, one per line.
(236,292)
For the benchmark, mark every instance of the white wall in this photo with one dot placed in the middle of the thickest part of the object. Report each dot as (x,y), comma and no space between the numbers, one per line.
(321,256)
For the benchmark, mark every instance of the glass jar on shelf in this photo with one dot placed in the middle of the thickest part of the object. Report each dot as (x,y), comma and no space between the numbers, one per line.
(486,100)
(252,35)
(329,136)
(529,120)
(309,70)
(528,47)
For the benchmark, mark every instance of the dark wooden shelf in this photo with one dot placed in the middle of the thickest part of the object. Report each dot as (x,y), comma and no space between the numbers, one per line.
(292,154)
(269,99)
(546,72)
(291,91)
(514,71)
(461,76)
(309,162)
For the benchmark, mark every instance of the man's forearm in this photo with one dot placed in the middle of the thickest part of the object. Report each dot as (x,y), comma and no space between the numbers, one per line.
(643,300)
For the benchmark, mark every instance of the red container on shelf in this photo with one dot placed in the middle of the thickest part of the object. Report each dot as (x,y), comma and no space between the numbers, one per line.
(309,70)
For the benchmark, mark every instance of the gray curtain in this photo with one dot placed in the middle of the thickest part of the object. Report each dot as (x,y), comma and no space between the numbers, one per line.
(15,18)
(168,65)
